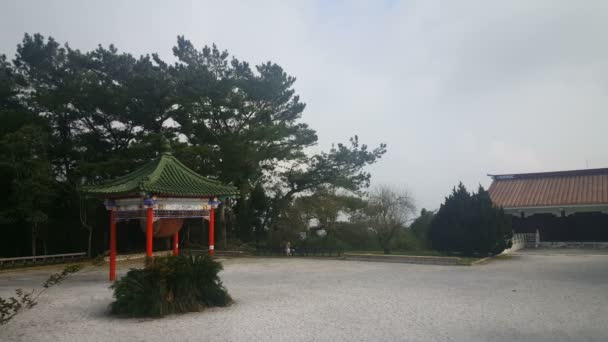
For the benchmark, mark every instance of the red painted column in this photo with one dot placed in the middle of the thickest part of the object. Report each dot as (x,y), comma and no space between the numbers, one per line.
(211,231)
(112,245)
(175,244)
(149,231)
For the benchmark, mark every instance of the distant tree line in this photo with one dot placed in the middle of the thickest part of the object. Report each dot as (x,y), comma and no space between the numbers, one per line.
(377,220)
(466,224)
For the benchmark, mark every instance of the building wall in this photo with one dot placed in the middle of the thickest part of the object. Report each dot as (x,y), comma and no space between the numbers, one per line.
(592,226)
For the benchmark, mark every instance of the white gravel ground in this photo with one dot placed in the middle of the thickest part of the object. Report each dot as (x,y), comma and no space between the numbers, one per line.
(524,298)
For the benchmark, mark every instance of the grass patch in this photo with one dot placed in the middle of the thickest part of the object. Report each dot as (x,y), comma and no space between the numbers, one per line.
(504,256)
(468,260)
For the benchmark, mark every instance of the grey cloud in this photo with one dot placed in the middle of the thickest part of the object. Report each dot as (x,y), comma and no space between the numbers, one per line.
(457,89)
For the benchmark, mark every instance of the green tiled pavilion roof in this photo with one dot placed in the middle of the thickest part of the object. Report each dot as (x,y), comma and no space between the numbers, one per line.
(163,176)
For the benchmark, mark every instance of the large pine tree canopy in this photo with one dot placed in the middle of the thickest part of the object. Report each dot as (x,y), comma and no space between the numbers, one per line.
(88,116)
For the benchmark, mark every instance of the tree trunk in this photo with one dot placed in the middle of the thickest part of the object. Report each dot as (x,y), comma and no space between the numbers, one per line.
(222,226)
(83,221)
(90,242)
(34,232)
(244,229)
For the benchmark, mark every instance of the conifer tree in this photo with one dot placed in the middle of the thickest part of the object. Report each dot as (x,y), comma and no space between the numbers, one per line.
(470,224)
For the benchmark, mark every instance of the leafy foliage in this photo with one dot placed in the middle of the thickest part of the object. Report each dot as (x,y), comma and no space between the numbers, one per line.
(325,209)
(174,284)
(100,114)
(11,306)
(57,278)
(406,240)
(377,221)
(24,163)
(356,236)
(469,223)
(325,206)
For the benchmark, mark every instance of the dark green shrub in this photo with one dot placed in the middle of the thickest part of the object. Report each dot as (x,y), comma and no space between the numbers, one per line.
(170,285)
(421,225)
(323,242)
(357,236)
(469,224)
(406,240)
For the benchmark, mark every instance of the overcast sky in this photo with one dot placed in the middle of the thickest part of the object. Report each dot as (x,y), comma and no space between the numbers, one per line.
(457,89)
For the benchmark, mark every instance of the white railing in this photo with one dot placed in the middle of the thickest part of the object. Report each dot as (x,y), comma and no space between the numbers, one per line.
(521,240)
(574,244)
(41,259)
(532,240)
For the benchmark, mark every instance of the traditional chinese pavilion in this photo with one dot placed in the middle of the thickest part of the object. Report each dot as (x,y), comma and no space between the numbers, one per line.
(161,194)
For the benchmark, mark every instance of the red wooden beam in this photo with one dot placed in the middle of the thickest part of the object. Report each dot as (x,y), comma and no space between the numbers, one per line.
(112,245)
(149,231)
(211,231)
(176,244)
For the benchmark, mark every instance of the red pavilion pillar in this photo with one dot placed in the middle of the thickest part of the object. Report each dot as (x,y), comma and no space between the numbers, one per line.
(211,231)
(112,244)
(175,244)
(149,231)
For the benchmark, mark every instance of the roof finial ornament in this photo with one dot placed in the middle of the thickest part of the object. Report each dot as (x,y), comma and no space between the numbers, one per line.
(165,145)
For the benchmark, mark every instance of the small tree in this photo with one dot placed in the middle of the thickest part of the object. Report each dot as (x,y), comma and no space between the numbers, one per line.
(23,159)
(327,206)
(388,211)
(470,224)
(420,226)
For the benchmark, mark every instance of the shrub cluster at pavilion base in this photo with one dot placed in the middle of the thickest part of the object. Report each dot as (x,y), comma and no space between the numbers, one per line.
(173,284)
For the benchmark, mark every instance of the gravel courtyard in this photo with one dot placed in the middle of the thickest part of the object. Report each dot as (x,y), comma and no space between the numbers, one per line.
(528,297)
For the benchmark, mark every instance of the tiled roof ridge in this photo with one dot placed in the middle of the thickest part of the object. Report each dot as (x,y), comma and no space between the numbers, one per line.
(565,173)
(576,187)
(194,173)
(155,175)
(163,175)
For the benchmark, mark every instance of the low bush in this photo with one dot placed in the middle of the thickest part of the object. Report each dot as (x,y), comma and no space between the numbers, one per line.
(406,240)
(167,285)
(357,236)
(323,242)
